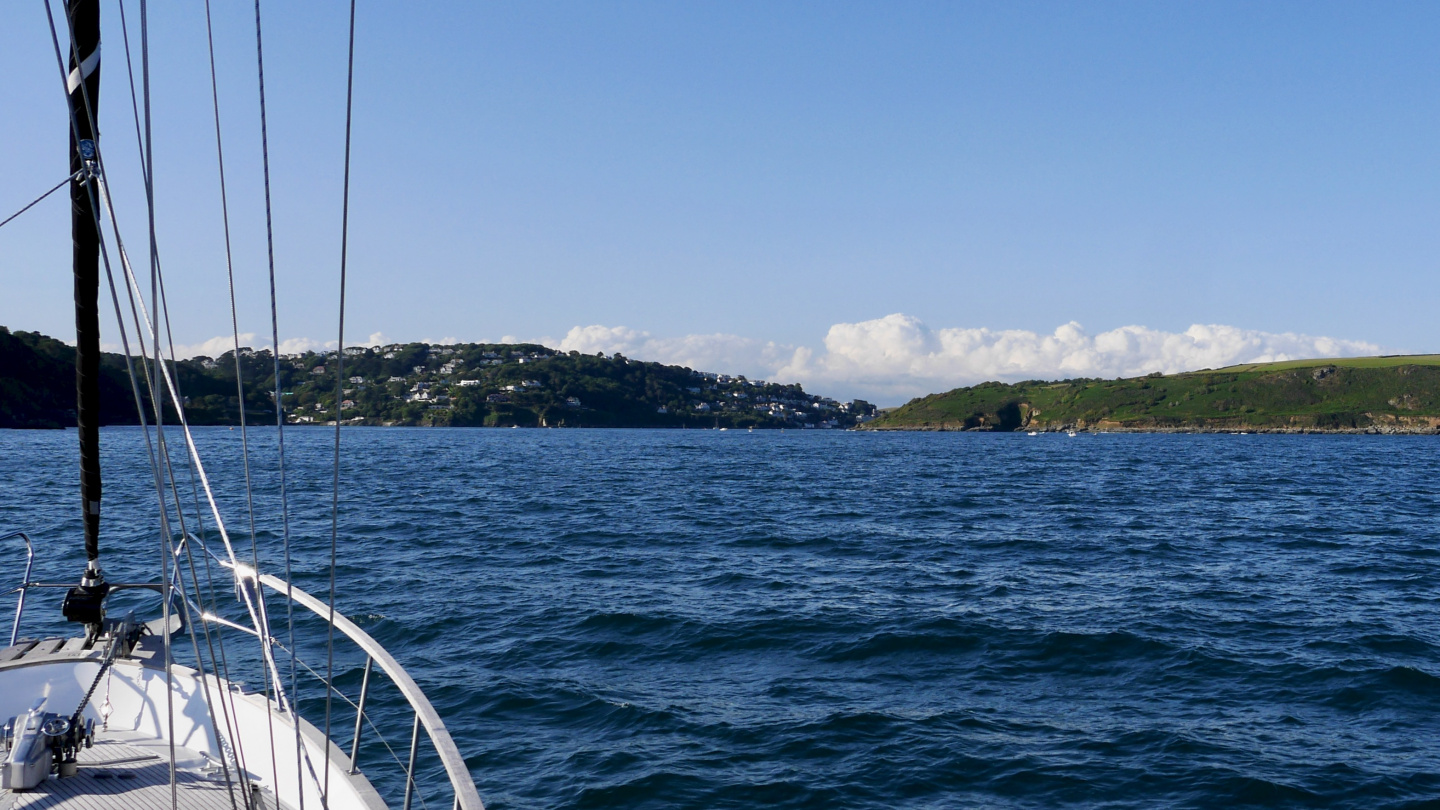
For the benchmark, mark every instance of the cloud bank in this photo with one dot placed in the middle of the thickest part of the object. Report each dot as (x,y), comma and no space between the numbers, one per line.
(897,357)
(892,359)
(216,346)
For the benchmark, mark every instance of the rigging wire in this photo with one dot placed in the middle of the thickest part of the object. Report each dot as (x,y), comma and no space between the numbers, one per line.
(99,185)
(37,200)
(339,387)
(158,363)
(235,330)
(148,172)
(218,664)
(94,183)
(279,402)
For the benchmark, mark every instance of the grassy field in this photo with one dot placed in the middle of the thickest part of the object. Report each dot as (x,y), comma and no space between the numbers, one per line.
(1387,394)
(1384,361)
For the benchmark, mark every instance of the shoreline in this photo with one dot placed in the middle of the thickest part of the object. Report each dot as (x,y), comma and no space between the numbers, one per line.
(1373,430)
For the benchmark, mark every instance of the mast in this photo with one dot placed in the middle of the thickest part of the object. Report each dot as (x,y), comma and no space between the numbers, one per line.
(83,84)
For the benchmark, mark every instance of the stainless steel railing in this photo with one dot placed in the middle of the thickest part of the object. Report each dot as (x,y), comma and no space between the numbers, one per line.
(24,586)
(466,797)
(425,716)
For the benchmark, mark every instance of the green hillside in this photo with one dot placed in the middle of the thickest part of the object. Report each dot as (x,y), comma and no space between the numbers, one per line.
(1367,394)
(465,385)
(1384,361)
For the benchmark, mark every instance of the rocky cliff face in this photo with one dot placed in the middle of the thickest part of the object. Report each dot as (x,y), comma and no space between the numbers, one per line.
(1366,423)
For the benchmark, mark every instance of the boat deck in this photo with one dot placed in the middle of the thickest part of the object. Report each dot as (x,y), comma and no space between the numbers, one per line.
(124,772)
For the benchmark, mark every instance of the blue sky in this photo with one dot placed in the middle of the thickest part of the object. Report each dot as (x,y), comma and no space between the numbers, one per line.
(762,185)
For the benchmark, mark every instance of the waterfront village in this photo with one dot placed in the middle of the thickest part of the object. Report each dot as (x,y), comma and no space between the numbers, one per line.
(502,385)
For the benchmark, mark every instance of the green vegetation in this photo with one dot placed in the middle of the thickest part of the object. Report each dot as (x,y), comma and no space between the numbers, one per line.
(1368,394)
(528,385)
(466,385)
(1384,361)
(37,384)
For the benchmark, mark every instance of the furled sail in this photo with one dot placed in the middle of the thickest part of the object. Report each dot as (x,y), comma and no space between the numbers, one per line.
(83,85)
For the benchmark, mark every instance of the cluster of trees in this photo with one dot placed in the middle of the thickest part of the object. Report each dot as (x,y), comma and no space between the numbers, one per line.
(1330,395)
(532,385)
(416,384)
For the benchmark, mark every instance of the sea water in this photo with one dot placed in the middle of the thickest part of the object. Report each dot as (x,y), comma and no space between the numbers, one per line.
(657,619)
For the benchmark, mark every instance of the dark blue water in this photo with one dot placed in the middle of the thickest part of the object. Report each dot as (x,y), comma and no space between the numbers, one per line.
(727,619)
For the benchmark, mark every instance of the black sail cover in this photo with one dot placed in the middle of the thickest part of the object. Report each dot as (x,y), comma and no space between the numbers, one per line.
(83,85)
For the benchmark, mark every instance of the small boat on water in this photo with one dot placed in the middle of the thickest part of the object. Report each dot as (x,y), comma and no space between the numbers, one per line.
(168,695)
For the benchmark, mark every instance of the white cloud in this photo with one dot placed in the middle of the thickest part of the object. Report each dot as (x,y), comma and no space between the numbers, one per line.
(897,357)
(216,346)
(717,352)
(892,359)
